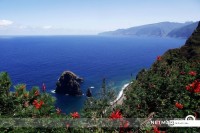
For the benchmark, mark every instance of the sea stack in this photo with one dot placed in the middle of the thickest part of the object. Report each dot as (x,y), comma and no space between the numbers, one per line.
(89,92)
(69,83)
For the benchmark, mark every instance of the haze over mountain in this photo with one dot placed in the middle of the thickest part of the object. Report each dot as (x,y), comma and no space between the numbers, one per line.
(162,29)
(183,32)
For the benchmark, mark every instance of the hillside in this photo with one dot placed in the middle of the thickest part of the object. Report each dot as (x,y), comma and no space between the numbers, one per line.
(170,88)
(161,29)
(183,32)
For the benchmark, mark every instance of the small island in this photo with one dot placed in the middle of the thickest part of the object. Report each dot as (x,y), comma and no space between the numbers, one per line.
(69,83)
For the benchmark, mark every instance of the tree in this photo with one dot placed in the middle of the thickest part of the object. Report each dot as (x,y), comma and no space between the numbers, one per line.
(104,86)
(5,83)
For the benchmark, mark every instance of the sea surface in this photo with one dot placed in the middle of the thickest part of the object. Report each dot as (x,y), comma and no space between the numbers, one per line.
(34,60)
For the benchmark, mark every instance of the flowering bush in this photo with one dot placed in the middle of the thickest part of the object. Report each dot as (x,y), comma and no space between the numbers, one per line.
(170,88)
(24,104)
(194,87)
(37,105)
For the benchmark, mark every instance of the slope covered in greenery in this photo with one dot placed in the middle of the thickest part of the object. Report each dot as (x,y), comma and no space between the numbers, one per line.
(170,88)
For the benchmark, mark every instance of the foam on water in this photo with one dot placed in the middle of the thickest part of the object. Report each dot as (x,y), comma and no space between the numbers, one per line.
(120,93)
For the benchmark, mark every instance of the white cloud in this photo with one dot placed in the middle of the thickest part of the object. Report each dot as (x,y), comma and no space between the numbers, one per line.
(47,27)
(5,22)
(22,27)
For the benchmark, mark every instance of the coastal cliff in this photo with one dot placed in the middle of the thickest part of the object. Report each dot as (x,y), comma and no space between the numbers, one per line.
(69,83)
(171,87)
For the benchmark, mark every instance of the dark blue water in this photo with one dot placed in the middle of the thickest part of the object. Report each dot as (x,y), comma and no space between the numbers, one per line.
(41,59)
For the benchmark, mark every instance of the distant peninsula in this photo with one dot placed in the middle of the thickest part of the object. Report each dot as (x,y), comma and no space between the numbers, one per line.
(162,29)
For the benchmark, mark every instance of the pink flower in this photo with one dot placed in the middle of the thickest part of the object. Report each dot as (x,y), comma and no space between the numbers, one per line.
(67,125)
(37,93)
(123,125)
(58,111)
(26,104)
(182,73)
(192,73)
(126,124)
(159,58)
(43,87)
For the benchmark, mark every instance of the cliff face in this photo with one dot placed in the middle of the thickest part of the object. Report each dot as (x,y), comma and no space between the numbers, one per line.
(171,87)
(69,83)
(194,38)
(192,47)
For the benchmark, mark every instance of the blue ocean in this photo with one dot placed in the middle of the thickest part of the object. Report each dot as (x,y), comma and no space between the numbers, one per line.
(34,60)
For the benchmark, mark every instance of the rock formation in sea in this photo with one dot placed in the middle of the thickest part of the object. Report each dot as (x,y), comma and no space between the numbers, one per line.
(69,83)
(89,93)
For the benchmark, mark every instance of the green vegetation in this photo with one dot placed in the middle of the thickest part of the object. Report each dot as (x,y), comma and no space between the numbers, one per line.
(23,104)
(170,88)
(34,111)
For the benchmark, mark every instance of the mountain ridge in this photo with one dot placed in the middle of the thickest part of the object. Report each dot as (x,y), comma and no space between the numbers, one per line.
(161,29)
(183,32)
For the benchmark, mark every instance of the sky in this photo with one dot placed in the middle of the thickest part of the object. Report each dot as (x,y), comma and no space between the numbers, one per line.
(88,17)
